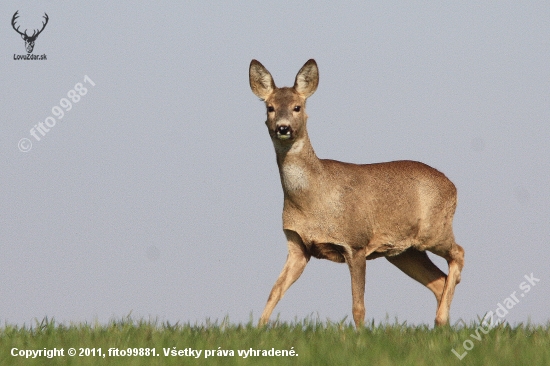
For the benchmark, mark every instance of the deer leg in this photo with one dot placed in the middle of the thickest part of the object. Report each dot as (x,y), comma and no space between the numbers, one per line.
(295,263)
(417,265)
(357,268)
(455,258)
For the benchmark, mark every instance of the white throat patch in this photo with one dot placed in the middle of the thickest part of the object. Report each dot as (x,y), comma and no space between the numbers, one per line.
(296,147)
(294,178)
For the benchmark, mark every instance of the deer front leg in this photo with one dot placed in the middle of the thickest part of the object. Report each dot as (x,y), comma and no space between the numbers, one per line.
(357,267)
(295,263)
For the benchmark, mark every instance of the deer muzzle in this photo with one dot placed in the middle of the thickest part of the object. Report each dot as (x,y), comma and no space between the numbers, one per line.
(284,132)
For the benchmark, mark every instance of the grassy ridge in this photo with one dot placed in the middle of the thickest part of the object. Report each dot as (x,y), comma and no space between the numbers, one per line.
(314,342)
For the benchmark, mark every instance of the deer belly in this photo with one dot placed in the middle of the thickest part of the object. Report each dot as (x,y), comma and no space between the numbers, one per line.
(328,251)
(392,248)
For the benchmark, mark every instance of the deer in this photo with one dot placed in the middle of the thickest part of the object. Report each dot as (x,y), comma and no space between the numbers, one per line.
(29,40)
(351,213)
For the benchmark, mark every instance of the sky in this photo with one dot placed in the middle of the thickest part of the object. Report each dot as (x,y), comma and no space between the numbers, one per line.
(157,193)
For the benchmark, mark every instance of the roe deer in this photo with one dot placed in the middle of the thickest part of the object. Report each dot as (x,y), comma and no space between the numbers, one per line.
(350,213)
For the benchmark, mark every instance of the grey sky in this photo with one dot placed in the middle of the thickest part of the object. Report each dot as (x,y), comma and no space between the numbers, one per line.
(158,192)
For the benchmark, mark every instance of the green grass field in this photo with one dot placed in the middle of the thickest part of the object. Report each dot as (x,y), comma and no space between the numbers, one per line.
(306,342)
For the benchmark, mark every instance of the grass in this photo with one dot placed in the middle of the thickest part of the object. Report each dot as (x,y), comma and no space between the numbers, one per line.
(314,342)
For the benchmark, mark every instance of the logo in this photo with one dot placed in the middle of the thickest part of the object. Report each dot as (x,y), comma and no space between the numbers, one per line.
(29,40)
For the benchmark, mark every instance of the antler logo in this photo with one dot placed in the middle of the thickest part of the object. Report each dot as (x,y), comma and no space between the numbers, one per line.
(29,40)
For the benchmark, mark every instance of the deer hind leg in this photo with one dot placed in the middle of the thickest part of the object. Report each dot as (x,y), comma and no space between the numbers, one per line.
(419,267)
(295,263)
(357,268)
(455,259)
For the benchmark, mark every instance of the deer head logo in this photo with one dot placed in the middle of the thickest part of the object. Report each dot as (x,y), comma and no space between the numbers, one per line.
(29,40)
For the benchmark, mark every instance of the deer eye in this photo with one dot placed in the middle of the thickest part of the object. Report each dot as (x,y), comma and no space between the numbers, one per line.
(270,109)
(297,108)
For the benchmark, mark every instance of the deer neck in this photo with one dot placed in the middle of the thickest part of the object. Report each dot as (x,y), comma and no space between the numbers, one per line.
(299,167)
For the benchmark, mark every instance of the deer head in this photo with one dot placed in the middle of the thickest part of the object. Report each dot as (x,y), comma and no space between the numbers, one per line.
(29,40)
(286,115)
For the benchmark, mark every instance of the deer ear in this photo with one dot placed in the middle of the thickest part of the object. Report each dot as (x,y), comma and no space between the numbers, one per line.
(261,81)
(307,79)
(23,36)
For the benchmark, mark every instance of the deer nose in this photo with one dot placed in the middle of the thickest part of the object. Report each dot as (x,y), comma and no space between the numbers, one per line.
(283,130)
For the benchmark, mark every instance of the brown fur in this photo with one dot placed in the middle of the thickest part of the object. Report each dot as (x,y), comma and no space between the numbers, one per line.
(348,212)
